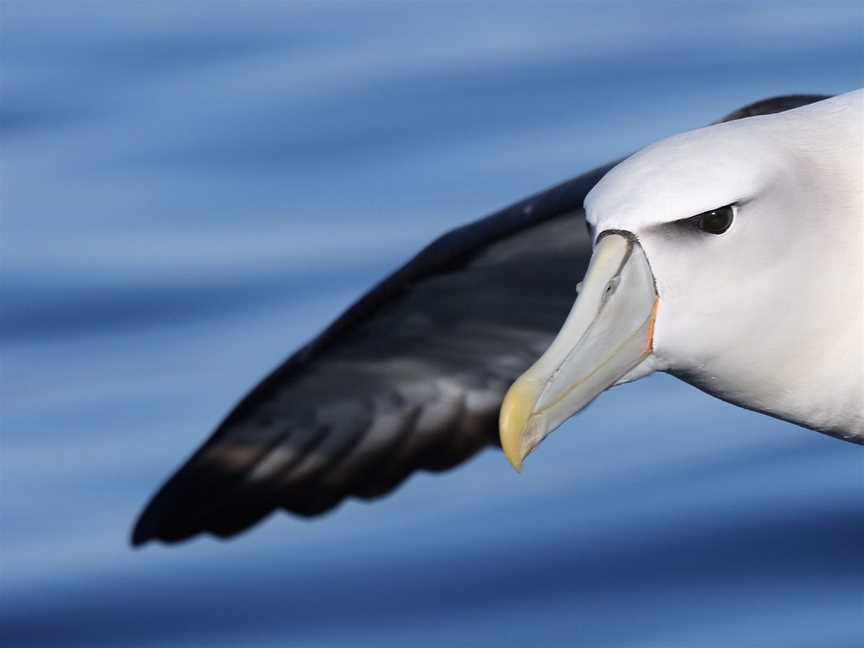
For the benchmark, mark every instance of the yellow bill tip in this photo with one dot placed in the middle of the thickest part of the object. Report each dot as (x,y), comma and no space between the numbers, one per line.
(513,420)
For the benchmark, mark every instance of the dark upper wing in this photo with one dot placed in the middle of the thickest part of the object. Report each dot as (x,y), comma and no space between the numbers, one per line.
(773,105)
(410,377)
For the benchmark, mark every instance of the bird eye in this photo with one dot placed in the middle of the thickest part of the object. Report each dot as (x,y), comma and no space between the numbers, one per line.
(715,221)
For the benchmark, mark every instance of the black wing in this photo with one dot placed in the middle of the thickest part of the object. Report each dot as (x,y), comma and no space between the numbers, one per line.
(411,377)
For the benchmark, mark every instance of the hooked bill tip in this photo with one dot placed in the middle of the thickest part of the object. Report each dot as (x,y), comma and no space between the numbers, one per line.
(516,410)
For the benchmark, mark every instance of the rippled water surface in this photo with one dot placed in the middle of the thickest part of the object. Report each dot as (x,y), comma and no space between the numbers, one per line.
(191,190)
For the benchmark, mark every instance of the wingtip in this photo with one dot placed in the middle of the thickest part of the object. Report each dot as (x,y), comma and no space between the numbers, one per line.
(150,525)
(142,532)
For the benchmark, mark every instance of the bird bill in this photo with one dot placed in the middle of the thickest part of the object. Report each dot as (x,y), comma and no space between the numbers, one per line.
(608,333)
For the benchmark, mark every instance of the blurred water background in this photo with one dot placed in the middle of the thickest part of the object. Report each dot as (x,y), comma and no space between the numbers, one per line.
(191,190)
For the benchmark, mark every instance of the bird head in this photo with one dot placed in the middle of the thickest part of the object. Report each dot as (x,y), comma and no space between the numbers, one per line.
(700,268)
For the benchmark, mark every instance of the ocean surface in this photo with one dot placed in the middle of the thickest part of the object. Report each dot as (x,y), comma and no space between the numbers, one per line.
(189,191)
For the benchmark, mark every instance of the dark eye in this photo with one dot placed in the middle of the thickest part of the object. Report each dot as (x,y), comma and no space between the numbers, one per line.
(715,221)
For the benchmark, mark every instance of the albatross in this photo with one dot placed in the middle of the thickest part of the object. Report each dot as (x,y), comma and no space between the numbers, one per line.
(730,257)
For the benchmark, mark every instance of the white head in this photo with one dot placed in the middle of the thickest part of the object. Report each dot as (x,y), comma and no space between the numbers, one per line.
(751,231)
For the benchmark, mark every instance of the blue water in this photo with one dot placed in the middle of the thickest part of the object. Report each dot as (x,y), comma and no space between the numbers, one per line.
(191,191)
